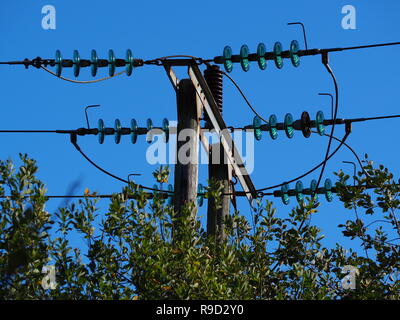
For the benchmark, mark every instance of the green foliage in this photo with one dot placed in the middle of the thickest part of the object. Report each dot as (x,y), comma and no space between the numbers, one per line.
(140,249)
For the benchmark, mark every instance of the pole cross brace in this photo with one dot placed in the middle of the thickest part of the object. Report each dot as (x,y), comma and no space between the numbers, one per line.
(218,123)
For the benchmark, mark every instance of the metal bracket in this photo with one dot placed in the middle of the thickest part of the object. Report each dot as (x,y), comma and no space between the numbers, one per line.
(354,170)
(87,118)
(304,32)
(330,95)
(171,75)
(210,106)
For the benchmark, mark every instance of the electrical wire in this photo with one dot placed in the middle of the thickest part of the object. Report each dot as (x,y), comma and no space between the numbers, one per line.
(175,56)
(352,150)
(243,96)
(99,196)
(102,196)
(75,144)
(28,131)
(159,60)
(361,47)
(342,143)
(82,82)
(327,156)
(238,193)
(326,64)
(235,193)
(98,167)
(260,191)
(313,169)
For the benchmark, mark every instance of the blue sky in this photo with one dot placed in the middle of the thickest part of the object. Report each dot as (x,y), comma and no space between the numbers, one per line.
(33,99)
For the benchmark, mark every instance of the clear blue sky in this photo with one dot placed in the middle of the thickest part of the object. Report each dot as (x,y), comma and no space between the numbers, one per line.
(32,99)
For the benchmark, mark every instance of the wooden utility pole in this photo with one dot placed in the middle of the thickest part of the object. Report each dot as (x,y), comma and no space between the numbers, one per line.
(193,96)
(218,209)
(187,153)
(218,168)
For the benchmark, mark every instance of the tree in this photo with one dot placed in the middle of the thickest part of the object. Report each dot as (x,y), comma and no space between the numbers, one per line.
(130,251)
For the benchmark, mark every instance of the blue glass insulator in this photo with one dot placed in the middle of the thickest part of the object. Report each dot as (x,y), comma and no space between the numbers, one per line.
(117,131)
(320,123)
(313,189)
(257,128)
(170,195)
(262,62)
(77,63)
(244,58)
(299,191)
(227,55)
(200,196)
(328,190)
(149,136)
(278,55)
(284,194)
(94,62)
(294,49)
(101,131)
(273,131)
(155,191)
(58,62)
(129,62)
(165,127)
(134,129)
(288,124)
(111,62)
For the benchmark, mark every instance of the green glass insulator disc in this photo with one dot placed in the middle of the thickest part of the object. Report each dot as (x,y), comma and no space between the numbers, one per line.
(294,49)
(149,124)
(149,136)
(320,123)
(129,62)
(328,190)
(313,189)
(284,194)
(257,128)
(170,195)
(244,58)
(155,191)
(227,54)
(94,63)
(200,197)
(299,191)
(134,129)
(117,131)
(100,127)
(58,62)
(289,125)
(273,132)
(262,62)
(278,55)
(77,63)
(111,62)
(165,127)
